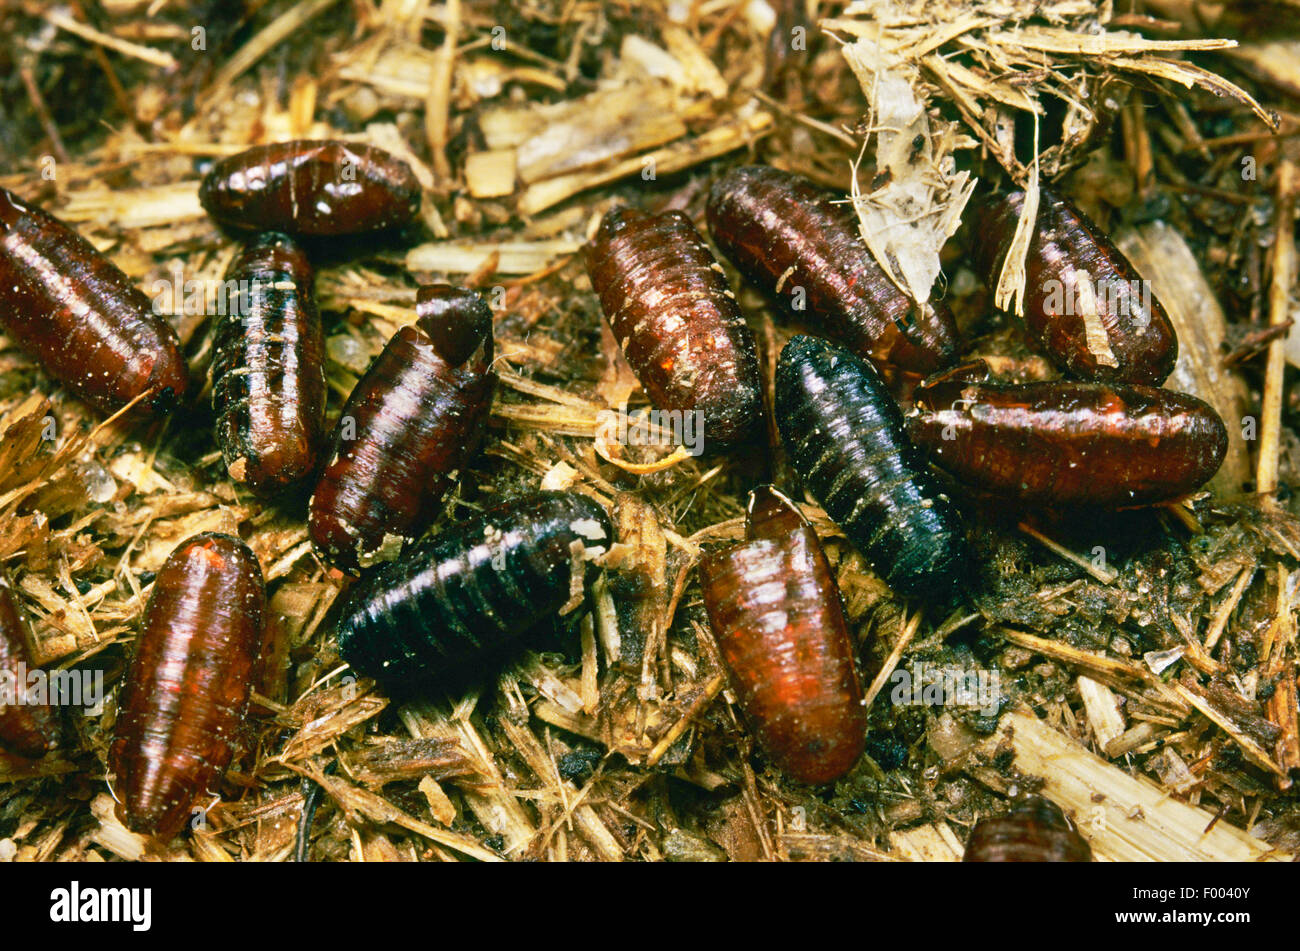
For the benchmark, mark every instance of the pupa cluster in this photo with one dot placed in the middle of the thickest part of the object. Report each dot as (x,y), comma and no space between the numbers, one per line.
(420,612)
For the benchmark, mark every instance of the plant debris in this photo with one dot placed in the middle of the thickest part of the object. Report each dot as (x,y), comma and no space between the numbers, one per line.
(1138,667)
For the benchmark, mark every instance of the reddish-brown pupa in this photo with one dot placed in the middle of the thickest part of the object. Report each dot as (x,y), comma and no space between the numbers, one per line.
(412,422)
(1067,442)
(1085,306)
(801,244)
(80,317)
(268,373)
(26,727)
(1035,830)
(188,686)
(308,187)
(775,609)
(670,308)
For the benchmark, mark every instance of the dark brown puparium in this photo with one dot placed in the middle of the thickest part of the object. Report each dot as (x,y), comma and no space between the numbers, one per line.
(1034,830)
(786,234)
(456,320)
(668,303)
(268,371)
(188,686)
(844,436)
(310,187)
(29,729)
(775,610)
(80,317)
(1067,442)
(1065,249)
(419,413)
(456,601)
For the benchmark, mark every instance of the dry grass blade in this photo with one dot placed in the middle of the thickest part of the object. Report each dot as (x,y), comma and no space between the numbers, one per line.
(1125,819)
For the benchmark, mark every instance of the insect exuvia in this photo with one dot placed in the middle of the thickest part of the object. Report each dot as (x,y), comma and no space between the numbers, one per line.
(775,610)
(410,425)
(268,374)
(1067,442)
(80,317)
(468,593)
(670,308)
(801,244)
(844,435)
(309,187)
(188,686)
(1034,830)
(27,727)
(1085,306)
